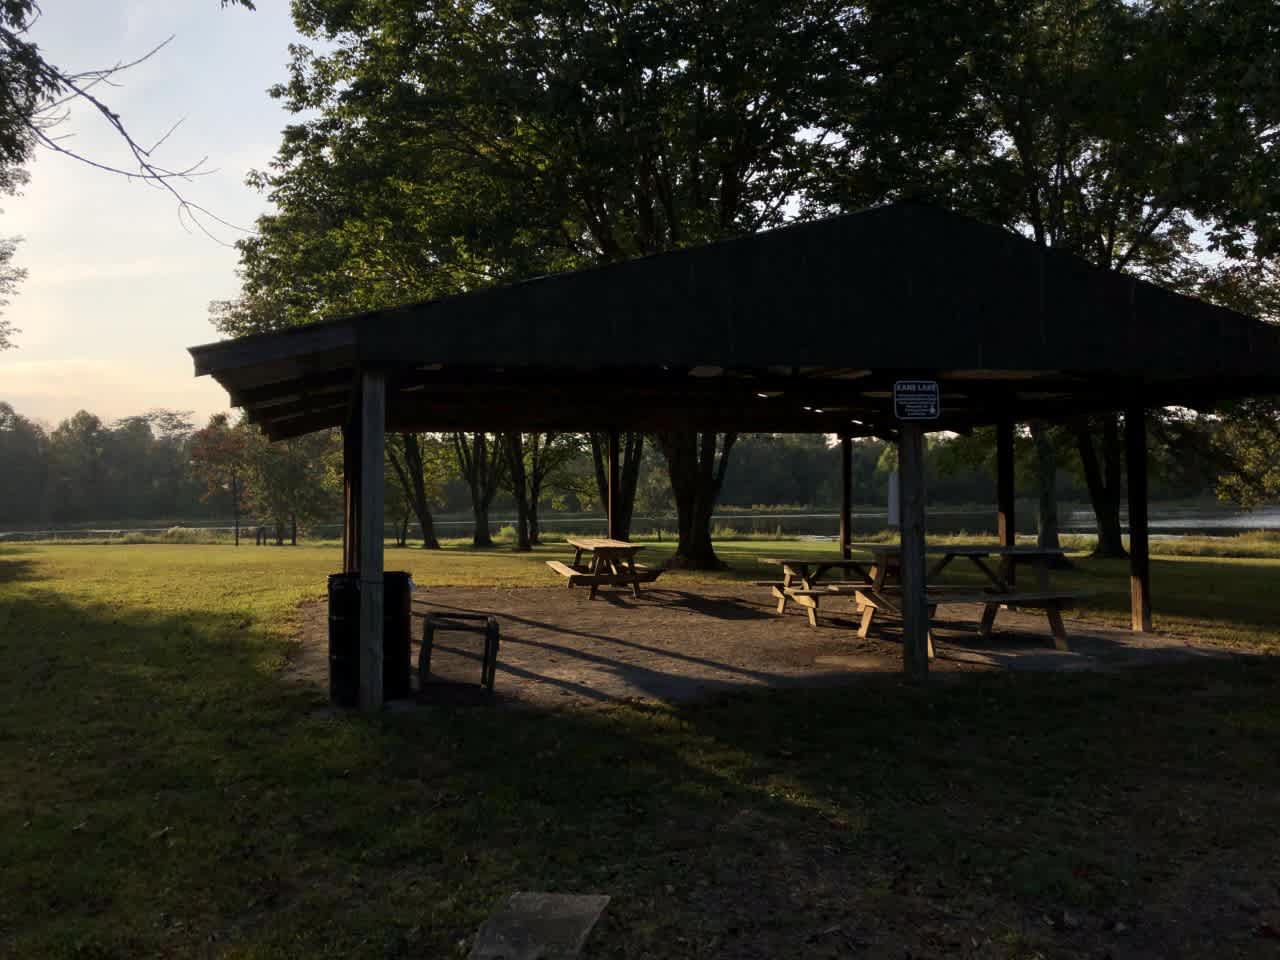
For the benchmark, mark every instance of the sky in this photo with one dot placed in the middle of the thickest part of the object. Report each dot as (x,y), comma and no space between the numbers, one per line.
(117,288)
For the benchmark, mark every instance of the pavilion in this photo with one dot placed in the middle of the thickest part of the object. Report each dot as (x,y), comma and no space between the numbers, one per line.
(801,329)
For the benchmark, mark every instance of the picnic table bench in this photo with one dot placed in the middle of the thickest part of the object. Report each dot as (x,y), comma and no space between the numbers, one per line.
(612,563)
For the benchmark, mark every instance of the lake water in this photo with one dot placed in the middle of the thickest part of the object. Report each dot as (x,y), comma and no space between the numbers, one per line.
(1201,520)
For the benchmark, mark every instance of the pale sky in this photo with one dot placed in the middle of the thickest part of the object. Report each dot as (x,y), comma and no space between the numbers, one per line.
(117,288)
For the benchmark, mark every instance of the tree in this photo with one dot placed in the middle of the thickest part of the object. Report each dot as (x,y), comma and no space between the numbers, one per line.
(415,460)
(548,457)
(37,92)
(1047,529)
(1119,132)
(518,483)
(480,460)
(220,457)
(290,481)
(452,146)
(10,277)
(696,463)
(24,465)
(631,452)
(78,471)
(34,95)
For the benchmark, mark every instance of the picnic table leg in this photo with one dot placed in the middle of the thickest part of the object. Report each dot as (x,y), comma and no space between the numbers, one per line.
(941,565)
(864,627)
(1042,574)
(782,599)
(1054,613)
(989,612)
(577,557)
(879,572)
(1001,580)
(635,583)
(595,569)
(806,578)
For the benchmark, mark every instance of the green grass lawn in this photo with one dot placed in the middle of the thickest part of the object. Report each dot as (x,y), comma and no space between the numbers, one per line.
(166,791)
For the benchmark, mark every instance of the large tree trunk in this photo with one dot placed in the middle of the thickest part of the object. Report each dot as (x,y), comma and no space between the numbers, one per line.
(535,528)
(480,535)
(1103,480)
(412,475)
(293,530)
(1047,528)
(539,450)
(513,444)
(631,448)
(480,461)
(697,474)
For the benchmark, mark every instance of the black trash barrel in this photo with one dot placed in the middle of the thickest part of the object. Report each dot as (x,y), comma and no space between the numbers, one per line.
(397,604)
(344,636)
(344,639)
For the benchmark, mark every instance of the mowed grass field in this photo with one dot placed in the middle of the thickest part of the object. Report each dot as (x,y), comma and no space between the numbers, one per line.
(166,790)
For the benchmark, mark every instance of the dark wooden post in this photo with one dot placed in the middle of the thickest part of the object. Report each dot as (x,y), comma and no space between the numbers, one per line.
(614,506)
(373,423)
(351,493)
(1006,530)
(915,602)
(1135,433)
(846,492)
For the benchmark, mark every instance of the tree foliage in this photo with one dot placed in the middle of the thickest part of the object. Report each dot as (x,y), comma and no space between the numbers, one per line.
(1138,136)
(220,458)
(451,146)
(291,483)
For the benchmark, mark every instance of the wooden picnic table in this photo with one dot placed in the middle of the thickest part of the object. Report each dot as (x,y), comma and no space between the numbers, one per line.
(878,587)
(999,593)
(611,562)
(805,580)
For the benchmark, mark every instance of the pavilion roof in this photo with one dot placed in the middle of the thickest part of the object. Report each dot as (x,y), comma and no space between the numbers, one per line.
(804,328)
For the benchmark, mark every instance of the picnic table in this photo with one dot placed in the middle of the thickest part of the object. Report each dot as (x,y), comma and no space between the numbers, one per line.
(878,588)
(611,562)
(999,593)
(805,580)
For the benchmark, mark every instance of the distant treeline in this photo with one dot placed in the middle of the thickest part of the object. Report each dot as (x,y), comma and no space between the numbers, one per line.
(157,467)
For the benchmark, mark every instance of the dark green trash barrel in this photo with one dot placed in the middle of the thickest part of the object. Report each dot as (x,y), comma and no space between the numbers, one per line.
(344,636)
(397,602)
(344,639)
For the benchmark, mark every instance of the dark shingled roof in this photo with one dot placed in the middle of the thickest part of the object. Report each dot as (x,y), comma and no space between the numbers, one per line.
(802,328)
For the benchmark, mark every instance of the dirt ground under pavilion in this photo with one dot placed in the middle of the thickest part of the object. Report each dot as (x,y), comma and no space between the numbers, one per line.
(561,648)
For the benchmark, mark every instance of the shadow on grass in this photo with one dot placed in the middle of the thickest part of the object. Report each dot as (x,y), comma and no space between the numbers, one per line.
(15,567)
(167,791)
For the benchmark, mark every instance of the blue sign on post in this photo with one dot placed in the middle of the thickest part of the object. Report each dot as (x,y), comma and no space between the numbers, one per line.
(916,400)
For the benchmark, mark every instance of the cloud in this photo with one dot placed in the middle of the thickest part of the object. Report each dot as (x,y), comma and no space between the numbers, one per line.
(52,390)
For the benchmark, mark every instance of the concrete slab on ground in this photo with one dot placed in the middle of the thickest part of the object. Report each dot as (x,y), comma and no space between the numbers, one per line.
(539,926)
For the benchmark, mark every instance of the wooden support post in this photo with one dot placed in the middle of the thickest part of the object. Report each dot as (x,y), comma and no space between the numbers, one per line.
(373,399)
(614,506)
(1006,532)
(351,494)
(1135,432)
(846,492)
(915,602)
